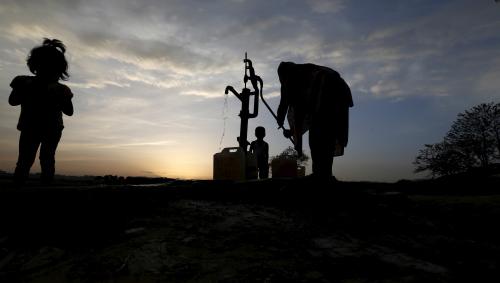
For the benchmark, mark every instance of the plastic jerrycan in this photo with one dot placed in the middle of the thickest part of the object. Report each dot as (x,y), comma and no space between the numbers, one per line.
(229,164)
(232,164)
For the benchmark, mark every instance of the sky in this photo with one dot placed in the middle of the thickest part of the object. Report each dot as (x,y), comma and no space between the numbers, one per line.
(149,76)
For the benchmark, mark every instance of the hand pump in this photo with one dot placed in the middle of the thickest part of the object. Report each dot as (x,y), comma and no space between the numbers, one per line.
(244,97)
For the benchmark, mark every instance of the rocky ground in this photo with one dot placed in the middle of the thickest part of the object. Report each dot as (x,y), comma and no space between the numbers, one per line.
(260,231)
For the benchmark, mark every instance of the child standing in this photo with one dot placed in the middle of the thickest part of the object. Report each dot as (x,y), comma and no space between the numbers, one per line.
(261,150)
(43,100)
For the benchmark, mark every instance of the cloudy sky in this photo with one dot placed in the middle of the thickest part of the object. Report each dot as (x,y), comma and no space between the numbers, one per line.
(149,76)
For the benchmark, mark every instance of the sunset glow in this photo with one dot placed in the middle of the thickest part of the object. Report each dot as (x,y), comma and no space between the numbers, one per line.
(149,76)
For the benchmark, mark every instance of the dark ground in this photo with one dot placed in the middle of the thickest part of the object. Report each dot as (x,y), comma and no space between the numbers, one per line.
(262,231)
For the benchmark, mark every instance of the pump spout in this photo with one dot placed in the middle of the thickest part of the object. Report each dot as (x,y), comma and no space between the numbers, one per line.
(231,89)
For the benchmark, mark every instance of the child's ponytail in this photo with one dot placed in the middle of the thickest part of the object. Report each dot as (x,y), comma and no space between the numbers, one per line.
(55,43)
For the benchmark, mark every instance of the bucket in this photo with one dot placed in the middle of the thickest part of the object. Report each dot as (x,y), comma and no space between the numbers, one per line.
(301,171)
(284,168)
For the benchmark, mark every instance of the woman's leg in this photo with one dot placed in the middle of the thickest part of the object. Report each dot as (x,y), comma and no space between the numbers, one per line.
(322,150)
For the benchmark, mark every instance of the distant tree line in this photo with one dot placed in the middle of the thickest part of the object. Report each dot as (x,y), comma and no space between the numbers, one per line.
(130,180)
(472,142)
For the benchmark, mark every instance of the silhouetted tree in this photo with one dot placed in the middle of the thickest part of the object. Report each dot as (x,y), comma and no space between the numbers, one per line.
(473,141)
(441,159)
(496,127)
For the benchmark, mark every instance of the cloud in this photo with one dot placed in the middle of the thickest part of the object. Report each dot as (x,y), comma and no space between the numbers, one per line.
(203,93)
(108,145)
(152,73)
(160,47)
(387,89)
(99,84)
(159,81)
(17,32)
(488,83)
(147,54)
(326,6)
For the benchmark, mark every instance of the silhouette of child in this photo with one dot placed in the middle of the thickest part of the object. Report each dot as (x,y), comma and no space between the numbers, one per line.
(43,100)
(261,150)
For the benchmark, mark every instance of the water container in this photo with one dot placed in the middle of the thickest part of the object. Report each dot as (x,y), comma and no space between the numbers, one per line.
(232,164)
(284,168)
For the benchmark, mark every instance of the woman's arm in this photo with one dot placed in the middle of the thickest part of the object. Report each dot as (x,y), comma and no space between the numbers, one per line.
(283,107)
